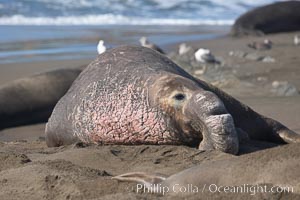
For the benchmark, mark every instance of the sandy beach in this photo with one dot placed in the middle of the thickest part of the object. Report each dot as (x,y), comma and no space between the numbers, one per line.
(31,170)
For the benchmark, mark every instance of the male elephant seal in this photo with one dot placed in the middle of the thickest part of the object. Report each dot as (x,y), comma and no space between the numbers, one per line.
(31,100)
(276,167)
(273,18)
(134,95)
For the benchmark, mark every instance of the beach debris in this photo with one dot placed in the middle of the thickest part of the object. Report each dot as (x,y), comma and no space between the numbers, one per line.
(284,88)
(205,56)
(262,79)
(238,53)
(200,71)
(268,59)
(172,54)
(101,48)
(184,49)
(266,45)
(296,40)
(145,43)
(254,56)
(226,81)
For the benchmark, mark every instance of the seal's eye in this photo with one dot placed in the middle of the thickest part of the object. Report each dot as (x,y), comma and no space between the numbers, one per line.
(179,97)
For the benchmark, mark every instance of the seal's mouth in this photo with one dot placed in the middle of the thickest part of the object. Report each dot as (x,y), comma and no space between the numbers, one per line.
(195,132)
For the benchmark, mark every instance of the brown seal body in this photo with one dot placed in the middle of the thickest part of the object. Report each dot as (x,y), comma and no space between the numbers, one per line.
(31,100)
(134,95)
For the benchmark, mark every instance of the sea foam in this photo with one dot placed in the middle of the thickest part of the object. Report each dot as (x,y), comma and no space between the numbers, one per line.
(124,12)
(107,19)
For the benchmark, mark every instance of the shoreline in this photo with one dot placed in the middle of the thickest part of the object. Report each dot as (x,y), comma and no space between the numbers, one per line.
(38,43)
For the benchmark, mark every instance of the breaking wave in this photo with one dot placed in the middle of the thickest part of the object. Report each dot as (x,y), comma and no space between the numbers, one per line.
(124,12)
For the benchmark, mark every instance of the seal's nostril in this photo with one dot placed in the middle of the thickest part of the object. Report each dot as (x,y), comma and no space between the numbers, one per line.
(179,97)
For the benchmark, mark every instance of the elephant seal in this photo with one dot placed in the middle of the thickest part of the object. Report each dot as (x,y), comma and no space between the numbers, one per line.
(135,95)
(31,100)
(277,166)
(272,18)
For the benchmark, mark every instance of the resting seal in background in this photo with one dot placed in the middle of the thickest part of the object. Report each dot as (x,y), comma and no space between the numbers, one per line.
(273,18)
(31,100)
(134,95)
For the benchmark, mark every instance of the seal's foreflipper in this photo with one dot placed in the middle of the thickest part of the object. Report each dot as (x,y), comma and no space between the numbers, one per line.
(141,177)
(289,136)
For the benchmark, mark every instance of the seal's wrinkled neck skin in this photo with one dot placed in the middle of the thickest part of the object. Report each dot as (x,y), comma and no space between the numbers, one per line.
(199,114)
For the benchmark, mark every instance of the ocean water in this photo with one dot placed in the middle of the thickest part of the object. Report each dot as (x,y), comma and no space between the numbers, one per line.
(124,12)
(34,30)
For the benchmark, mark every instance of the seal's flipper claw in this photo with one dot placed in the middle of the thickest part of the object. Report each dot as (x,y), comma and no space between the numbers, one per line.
(141,177)
(289,136)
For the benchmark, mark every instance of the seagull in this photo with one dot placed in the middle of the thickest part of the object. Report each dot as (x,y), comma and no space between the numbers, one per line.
(267,44)
(101,48)
(296,40)
(183,49)
(145,43)
(204,56)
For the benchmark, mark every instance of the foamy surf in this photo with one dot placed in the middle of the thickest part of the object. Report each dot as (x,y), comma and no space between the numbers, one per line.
(107,19)
(119,12)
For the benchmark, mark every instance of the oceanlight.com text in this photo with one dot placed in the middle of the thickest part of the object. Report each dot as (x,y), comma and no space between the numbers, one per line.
(212,188)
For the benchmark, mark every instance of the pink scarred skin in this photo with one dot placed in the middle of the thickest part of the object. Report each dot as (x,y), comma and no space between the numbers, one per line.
(115,118)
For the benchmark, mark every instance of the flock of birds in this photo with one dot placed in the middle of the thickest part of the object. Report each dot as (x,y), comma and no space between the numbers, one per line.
(201,55)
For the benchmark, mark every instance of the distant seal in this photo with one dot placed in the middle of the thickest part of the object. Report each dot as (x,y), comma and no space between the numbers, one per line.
(31,100)
(134,95)
(277,166)
(272,18)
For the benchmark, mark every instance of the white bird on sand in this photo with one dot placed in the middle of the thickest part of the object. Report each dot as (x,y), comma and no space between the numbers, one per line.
(145,43)
(183,49)
(101,48)
(204,56)
(296,40)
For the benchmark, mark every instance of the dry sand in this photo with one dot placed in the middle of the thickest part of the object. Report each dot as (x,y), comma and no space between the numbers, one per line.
(30,170)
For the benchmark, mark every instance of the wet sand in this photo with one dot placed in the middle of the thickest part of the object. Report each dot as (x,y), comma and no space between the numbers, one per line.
(52,43)
(30,170)
(12,71)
